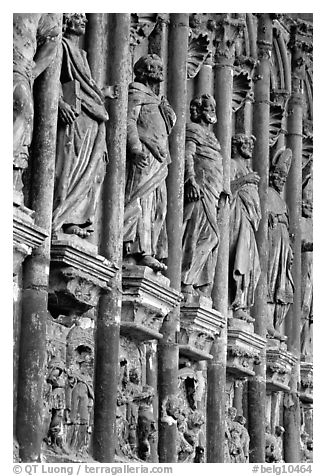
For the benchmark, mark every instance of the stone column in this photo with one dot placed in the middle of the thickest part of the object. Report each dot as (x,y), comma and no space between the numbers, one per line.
(158,42)
(300,43)
(168,352)
(109,316)
(31,376)
(204,79)
(257,384)
(97,32)
(226,34)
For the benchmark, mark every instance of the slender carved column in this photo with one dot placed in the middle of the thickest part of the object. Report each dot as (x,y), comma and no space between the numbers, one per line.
(158,41)
(96,45)
(257,384)
(168,357)
(36,267)
(204,80)
(300,43)
(109,316)
(227,31)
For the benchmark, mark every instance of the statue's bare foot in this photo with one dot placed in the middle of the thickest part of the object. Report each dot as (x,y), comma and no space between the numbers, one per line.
(153,263)
(205,290)
(274,334)
(77,230)
(188,289)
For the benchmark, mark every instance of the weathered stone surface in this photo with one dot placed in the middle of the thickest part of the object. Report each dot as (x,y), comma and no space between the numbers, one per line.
(199,325)
(243,348)
(306,382)
(77,275)
(279,363)
(147,299)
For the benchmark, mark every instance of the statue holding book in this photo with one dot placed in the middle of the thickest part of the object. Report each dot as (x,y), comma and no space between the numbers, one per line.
(81,147)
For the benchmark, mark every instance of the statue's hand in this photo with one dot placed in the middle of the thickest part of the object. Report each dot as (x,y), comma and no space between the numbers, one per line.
(226,194)
(272,220)
(252,177)
(192,190)
(67,114)
(140,159)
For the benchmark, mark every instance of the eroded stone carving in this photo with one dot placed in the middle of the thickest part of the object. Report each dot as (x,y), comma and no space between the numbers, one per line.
(279,278)
(236,438)
(36,36)
(150,120)
(81,148)
(203,188)
(307,267)
(245,215)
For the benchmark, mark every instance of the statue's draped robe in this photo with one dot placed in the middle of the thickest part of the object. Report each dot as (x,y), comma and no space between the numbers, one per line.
(245,215)
(306,289)
(29,31)
(200,232)
(149,124)
(279,278)
(81,147)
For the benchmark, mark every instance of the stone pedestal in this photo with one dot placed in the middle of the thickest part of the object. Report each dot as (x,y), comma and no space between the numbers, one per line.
(279,363)
(77,275)
(306,382)
(26,235)
(243,348)
(147,299)
(199,326)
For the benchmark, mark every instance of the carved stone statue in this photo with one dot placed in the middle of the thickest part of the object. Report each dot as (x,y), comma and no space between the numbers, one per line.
(150,120)
(146,430)
(307,269)
(36,37)
(80,398)
(203,187)
(81,148)
(273,451)
(245,215)
(57,378)
(280,256)
(234,433)
(244,437)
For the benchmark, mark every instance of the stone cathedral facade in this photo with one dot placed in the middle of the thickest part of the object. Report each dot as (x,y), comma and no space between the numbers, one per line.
(162,235)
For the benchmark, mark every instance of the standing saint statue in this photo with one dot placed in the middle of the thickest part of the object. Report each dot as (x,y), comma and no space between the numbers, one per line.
(307,268)
(36,39)
(202,190)
(81,147)
(245,215)
(280,256)
(150,120)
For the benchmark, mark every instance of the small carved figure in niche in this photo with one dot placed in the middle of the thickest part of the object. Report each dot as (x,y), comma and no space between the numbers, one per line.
(244,437)
(234,433)
(280,256)
(307,452)
(245,215)
(36,37)
(146,429)
(307,268)
(81,148)
(80,398)
(150,120)
(272,450)
(195,421)
(202,191)
(57,378)
(279,432)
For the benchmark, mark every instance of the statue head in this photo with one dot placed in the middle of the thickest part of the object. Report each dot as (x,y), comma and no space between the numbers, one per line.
(232,413)
(280,167)
(307,196)
(203,108)
(243,145)
(310,445)
(134,376)
(74,23)
(149,68)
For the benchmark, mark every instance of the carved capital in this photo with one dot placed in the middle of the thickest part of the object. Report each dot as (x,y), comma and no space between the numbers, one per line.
(227,31)
(301,47)
(142,25)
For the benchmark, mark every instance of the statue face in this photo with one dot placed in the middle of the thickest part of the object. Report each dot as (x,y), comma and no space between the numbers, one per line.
(208,111)
(247,147)
(77,24)
(278,179)
(156,72)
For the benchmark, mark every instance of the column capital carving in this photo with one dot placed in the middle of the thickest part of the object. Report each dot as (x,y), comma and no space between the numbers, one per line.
(227,31)
(300,45)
